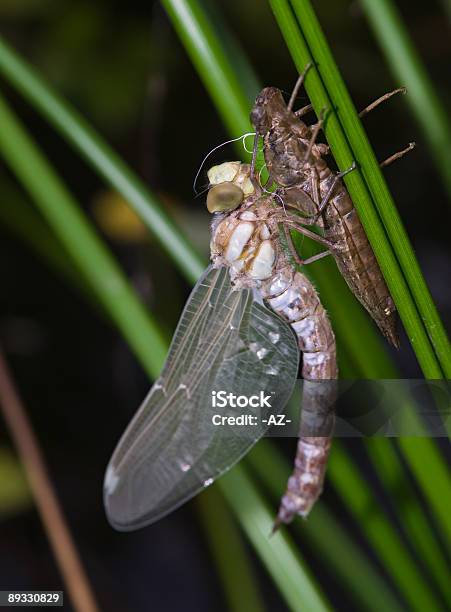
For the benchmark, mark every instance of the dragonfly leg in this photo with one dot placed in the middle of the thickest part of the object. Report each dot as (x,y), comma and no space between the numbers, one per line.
(383,98)
(295,218)
(298,86)
(304,217)
(397,155)
(315,191)
(323,148)
(304,110)
(303,230)
(325,201)
(363,112)
(295,254)
(314,133)
(313,258)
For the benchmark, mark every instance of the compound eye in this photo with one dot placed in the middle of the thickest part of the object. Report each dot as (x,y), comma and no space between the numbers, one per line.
(224,197)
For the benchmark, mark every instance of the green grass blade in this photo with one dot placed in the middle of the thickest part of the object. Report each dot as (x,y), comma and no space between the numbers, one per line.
(277,552)
(198,35)
(382,536)
(15,494)
(80,240)
(406,65)
(403,497)
(231,48)
(20,219)
(392,474)
(433,476)
(329,541)
(364,155)
(224,540)
(358,190)
(101,156)
(386,464)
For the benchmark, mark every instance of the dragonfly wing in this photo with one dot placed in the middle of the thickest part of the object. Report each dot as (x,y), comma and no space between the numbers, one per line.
(226,340)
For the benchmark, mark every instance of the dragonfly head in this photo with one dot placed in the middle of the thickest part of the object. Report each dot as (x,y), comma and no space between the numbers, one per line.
(268,108)
(229,184)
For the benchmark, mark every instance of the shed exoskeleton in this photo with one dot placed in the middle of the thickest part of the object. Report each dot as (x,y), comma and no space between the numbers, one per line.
(296,163)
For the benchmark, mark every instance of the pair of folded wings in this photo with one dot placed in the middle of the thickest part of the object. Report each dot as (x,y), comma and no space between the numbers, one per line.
(226,340)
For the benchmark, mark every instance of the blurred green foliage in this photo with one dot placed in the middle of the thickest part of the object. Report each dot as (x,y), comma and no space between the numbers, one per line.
(15,496)
(125,71)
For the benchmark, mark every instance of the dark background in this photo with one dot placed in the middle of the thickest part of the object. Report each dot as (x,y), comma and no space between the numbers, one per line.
(123,67)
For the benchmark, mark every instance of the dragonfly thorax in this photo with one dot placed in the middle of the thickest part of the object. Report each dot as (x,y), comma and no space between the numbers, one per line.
(245,241)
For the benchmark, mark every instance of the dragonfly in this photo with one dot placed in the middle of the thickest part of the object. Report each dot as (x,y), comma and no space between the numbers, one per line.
(245,324)
(295,162)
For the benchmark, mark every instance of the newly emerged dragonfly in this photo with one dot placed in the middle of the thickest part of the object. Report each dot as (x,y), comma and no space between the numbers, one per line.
(251,240)
(242,329)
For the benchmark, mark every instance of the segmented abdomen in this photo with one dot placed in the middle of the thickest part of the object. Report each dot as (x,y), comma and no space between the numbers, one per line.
(356,259)
(293,297)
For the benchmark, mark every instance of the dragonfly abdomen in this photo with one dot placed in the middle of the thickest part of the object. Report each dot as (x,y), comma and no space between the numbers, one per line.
(293,296)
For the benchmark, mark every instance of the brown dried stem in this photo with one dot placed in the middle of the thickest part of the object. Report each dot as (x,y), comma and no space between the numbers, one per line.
(48,506)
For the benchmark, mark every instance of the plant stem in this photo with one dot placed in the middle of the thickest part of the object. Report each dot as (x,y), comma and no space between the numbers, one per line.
(364,155)
(101,156)
(86,249)
(224,543)
(51,513)
(284,564)
(359,192)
